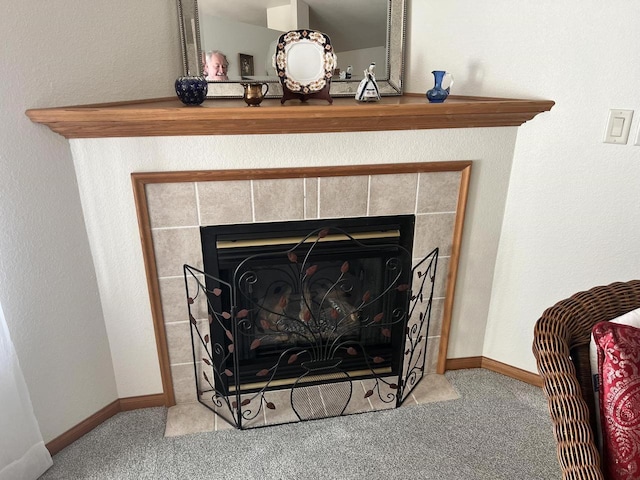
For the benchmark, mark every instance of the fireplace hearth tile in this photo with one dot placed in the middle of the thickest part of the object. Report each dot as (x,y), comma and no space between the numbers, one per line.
(440,287)
(434,230)
(194,417)
(179,342)
(283,413)
(174,247)
(343,196)
(376,402)
(188,418)
(224,202)
(172,204)
(358,403)
(438,192)
(184,385)
(281,199)
(434,388)
(393,194)
(172,297)
(311,198)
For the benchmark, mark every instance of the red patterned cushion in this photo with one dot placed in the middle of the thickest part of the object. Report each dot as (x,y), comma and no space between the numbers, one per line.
(619,369)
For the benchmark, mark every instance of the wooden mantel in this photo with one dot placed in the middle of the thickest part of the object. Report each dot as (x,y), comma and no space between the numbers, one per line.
(169,117)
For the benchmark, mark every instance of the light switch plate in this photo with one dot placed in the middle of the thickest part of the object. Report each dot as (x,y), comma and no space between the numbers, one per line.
(618,126)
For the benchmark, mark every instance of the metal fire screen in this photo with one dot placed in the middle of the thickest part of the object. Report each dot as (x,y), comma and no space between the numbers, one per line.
(292,328)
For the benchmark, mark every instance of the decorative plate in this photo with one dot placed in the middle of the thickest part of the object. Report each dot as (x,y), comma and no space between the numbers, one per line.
(304,61)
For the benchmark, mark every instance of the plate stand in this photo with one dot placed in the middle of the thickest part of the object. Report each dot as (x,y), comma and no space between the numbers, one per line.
(303,97)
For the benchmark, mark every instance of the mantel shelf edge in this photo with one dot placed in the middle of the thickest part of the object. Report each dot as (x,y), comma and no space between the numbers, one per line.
(169,117)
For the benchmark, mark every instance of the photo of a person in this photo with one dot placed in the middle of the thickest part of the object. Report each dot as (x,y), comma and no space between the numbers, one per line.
(246,65)
(216,66)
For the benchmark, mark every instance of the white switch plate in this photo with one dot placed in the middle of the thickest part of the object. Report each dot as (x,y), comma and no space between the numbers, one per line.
(618,126)
(638,137)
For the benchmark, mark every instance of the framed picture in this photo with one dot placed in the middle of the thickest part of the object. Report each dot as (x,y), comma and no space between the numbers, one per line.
(246,65)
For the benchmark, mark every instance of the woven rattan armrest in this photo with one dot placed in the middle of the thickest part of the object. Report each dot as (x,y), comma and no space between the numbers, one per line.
(561,338)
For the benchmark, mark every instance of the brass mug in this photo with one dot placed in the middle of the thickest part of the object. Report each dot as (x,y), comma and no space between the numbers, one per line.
(254,93)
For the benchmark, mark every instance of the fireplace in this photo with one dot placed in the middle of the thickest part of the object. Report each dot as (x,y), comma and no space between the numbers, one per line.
(307,308)
(176,205)
(331,291)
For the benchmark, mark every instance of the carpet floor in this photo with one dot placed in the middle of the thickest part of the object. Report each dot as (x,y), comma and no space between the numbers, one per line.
(498,428)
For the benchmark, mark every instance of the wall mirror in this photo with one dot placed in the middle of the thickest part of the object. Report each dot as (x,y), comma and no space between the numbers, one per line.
(246,31)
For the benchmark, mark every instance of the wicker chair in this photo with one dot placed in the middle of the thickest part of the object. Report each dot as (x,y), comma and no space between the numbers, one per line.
(561,347)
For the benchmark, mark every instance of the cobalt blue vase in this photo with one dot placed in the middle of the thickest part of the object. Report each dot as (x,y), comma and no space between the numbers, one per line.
(438,94)
(191,90)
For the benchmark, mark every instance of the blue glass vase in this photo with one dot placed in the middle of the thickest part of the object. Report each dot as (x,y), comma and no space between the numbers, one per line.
(438,94)
(191,90)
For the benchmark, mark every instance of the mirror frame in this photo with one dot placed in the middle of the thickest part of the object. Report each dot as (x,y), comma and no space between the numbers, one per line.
(390,86)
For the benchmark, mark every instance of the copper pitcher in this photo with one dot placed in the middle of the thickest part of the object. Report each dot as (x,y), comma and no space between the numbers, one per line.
(254,93)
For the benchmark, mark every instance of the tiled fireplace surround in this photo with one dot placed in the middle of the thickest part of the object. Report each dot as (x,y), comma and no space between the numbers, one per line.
(104,168)
(178,206)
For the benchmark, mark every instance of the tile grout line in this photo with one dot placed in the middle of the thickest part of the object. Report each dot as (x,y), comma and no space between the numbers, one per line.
(197,192)
(253,202)
(304,198)
(368,198)
(318,198)
(415,207)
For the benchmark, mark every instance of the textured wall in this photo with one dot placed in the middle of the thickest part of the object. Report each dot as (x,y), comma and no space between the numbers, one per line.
(573,210)
(63,53)
(103,167)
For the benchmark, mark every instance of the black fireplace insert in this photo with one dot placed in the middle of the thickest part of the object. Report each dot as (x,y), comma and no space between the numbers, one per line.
(322,291)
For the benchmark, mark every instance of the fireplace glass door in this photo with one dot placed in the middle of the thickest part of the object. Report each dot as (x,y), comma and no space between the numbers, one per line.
(327,297)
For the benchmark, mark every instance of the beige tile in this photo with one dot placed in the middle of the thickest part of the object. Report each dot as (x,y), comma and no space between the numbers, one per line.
(433,349)
(188,418)
(442,276)
(224,419)
(421,305)
(383,398)
(172,204)
(279,199)
(174,247)
(252,413)
(343,196)
(434,388)
(393,194)
(438,192)
(173,297)
(311,198)
(358,403)
(184,386)
(179,342)
(431,231)
(413,362)
(283,413)
(225,202)
(437,312)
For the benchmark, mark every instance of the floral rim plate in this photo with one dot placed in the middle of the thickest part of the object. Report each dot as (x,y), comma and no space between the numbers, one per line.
(304,60)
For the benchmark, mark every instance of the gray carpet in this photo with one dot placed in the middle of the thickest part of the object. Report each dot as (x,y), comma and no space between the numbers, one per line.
(498,429)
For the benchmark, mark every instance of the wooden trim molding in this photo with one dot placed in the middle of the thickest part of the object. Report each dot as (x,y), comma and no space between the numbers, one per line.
(102,415)
(143,401)
(151,271)
(139,180)
(463,363)
(158,400)
(453,267)
(495,366)
(513,372)
(169,117)
(84,427)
